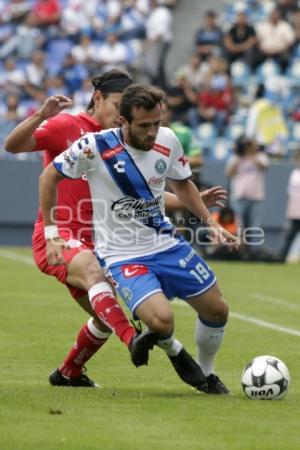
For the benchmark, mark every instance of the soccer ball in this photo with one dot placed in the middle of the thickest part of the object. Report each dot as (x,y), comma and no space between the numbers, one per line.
(265,378)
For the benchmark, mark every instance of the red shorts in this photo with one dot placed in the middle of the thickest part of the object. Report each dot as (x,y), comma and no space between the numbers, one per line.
(60,272)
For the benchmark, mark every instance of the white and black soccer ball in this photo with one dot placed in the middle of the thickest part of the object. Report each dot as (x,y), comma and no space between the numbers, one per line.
(265,378)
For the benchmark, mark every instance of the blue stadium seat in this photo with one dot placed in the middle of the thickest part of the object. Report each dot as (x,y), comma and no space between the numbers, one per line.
(293,73)
(267,69)
(222,149)
(207,137)
(58,49)
(240,73)
(234,131)
(295,132)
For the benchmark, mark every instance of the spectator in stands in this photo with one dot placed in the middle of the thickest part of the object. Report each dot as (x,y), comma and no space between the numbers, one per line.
(158,41)
(23,42)
(293,207)
(246,170)
(288,9)
(209,37)
(73,74)
(55,85)
(240,41)
(296,24)
(14,11)
(78,17)
(132,21)
(194,71)
(35,72)
(275,39)
(226,218)
(45,13)
(112,53)
(214,102)
(12,79)
(107,18)
(186,137)
(266,122)
(180,97)
(85,52)
(82,96)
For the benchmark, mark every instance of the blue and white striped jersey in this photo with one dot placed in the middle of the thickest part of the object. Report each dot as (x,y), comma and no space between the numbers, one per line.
(127,190)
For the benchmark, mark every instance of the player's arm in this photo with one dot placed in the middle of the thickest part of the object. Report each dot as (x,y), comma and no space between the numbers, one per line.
(188,194)
(72,163)
(211,197)
(48,182)
(22,139)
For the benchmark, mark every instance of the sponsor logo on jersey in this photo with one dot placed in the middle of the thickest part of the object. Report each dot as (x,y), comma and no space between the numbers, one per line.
(183,159)
(120,166)
(68,160)
(109,153)
(161,149)
(183,262)
(88,153)
(130,208)
(160,166)
(134,270)
(156,180)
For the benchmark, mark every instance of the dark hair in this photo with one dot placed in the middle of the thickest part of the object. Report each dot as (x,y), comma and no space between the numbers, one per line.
(139,96)
(112,81)
(210,13)
(241,145)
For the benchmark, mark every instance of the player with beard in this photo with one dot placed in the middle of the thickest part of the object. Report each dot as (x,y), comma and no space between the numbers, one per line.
(146,257)
(52,131)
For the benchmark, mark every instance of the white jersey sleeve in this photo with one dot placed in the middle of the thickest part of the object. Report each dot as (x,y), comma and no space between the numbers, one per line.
(180,167)
(78,159)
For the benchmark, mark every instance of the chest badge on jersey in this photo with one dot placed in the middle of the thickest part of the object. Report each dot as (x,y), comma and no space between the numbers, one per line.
(88,153)
(160,166)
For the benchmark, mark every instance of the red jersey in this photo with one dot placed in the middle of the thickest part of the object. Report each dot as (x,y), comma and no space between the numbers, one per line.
(74,199)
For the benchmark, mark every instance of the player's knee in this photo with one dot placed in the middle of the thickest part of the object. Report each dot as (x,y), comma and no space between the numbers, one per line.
(93,274)
(163,323)
(219,312)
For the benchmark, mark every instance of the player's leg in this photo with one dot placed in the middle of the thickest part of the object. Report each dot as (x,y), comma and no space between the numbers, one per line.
(187,276)
(91,337)
(85,273)
(157,314)
(212,313)
(142,293)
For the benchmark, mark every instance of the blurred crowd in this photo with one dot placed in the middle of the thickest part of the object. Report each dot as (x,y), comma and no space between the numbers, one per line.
(56,46)
(236,97)
(242,75)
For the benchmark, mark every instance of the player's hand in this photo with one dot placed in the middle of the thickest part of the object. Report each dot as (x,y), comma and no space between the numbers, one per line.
(220,236)
(54,249)
(54,105)
(215,196)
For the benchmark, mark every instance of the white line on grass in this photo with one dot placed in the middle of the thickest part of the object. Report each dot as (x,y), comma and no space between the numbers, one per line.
(258,322)
(16,257)
(273,300)
(262,323)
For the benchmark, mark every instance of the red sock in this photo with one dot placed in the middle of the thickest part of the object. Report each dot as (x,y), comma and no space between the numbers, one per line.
(83,349)
(109,311)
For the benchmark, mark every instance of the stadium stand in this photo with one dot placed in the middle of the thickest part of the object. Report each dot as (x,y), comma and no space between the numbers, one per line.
(49,46)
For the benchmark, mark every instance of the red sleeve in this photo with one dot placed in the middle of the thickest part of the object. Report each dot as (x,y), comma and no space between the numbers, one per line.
(51,134)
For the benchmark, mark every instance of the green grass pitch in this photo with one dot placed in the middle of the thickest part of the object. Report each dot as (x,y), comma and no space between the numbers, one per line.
(147,408)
